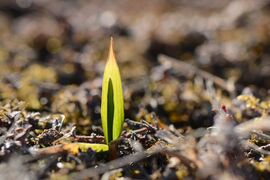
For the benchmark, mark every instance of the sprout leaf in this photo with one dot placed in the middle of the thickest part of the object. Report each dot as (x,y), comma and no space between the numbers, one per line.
(112,103)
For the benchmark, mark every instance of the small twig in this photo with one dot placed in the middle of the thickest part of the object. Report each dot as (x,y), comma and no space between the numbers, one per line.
(56,149)
(255,147)
(134,124)
(138,131)
(188,69)
(66,136)
(149,126)
(118,163)
(141,124)
(72,148)
(32,158)
(11,128)
(89,139)
(262,123)
(265,147)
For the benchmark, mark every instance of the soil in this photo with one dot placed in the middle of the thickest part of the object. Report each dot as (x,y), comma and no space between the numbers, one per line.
(195,75)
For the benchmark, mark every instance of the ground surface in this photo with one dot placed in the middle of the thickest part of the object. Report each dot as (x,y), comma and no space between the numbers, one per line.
(196,79)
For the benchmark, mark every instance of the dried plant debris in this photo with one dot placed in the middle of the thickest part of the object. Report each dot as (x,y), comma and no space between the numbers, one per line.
(195,78)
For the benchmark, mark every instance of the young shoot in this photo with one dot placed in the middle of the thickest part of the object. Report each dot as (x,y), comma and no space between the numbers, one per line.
(112,101)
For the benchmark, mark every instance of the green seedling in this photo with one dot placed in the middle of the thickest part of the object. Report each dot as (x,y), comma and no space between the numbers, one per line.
(112,110)
(112,101)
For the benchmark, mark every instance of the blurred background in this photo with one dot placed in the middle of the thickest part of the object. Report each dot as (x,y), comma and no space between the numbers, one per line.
(52,54)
